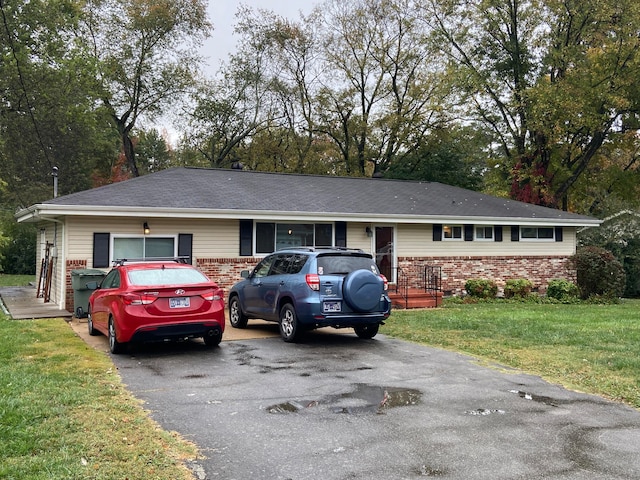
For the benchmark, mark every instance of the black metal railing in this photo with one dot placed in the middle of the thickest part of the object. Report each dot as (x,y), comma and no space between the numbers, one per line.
(433,281)
(402,285)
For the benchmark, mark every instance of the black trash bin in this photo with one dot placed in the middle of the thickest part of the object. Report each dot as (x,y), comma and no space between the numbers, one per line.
(81,294)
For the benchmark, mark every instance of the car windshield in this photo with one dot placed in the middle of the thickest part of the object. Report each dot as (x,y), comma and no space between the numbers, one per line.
(166,276)
(344,264)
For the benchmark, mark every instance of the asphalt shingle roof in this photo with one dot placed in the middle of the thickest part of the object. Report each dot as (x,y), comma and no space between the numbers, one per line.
(236,190)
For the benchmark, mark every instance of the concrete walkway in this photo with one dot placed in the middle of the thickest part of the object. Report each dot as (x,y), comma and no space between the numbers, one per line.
(21,303)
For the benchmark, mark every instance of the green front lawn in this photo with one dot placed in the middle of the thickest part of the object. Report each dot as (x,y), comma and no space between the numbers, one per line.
(64,413)
(590,348)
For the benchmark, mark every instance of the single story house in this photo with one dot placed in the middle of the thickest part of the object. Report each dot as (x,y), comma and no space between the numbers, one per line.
(224,221)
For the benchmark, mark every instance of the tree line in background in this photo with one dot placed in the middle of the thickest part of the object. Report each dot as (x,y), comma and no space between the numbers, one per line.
(537,100)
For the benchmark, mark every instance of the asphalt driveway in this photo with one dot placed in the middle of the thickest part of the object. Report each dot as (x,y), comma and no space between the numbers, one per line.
(337,407)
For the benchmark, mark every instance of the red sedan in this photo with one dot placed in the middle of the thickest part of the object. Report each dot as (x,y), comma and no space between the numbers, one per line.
(156,301)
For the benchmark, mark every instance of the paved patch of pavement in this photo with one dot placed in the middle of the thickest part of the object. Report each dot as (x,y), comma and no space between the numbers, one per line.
(337,407)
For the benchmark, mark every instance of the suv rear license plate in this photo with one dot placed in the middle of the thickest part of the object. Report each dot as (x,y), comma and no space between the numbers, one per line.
(331,307)
(179,302)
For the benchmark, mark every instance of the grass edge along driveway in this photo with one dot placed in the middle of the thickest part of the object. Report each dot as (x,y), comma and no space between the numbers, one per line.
(65,414)
(585,347)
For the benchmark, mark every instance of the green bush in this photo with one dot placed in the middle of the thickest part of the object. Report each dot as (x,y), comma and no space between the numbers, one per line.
(17,247)
(561,289)
(520,287)
(599,273)
(481,288)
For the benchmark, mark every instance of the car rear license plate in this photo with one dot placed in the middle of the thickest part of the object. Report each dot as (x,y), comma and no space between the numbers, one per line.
(179,302)
(331,307)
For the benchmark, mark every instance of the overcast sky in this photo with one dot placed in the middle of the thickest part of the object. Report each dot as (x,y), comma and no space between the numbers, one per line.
(222,15)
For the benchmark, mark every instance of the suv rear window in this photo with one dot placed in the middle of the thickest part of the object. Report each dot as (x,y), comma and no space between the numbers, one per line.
(344,264)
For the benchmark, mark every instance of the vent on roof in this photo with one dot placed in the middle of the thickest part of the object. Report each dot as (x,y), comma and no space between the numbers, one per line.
(237,166)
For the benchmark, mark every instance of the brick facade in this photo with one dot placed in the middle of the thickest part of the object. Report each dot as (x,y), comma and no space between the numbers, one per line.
(457,270)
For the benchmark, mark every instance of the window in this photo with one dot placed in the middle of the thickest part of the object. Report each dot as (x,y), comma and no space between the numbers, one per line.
(143,247)
(276,236)
(537,233)
(452,232)
(484,233)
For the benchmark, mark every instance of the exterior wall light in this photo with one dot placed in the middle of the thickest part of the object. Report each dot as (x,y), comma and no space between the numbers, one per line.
(369,232)
(145,228)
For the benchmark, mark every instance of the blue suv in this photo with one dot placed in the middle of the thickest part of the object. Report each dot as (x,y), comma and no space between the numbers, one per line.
(307,288)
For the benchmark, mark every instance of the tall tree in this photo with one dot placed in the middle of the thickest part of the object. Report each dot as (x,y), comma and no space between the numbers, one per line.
(554,79)
(47,101)
(379,101)
(145,51)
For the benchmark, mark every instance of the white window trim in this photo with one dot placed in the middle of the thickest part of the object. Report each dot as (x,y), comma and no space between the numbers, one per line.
(282,222)
(453,239)
(538,240)
(113,237)
(478,239)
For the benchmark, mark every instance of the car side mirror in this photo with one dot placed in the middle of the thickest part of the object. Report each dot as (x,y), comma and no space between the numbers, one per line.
(92,285)
(244,273)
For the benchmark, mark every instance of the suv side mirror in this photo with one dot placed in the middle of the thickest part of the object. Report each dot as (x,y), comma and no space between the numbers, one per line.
(244,273)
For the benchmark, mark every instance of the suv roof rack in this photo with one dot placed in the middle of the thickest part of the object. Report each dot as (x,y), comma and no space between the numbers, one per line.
(319,249)
(121,261)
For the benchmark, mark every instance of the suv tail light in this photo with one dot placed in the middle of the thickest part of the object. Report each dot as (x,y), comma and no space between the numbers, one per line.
(385,282)
(313,280)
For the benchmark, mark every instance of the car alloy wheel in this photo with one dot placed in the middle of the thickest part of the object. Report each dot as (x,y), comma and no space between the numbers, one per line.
(288,323)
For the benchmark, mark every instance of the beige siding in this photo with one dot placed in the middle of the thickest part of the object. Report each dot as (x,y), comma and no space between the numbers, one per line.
(417,241)
(357,237)
(211,238)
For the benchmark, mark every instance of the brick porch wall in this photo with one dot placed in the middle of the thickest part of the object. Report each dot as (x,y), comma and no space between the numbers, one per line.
(68,298)
(226,271)
(457,270)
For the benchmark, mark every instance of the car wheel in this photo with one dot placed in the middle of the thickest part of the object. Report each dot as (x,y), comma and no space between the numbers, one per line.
(213,338)
(367,331)
(92,331)
(362,290)
(289,328)
(115,346)
(237,319)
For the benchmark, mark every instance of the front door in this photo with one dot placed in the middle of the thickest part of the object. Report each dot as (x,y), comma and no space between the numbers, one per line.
(384,251)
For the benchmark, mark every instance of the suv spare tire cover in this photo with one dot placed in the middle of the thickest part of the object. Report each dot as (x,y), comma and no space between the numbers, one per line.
(362,290)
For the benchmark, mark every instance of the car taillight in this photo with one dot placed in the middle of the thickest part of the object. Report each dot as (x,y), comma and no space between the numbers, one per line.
(213,295)
(144,299)
(385,282)
(313,281)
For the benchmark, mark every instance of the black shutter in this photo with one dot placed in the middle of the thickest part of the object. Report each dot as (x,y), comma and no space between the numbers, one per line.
(185,246)
(246,238)
(497,233)
(468,233)
(437,232)
(515,233)
(558,234)
(341,234)
(100,250)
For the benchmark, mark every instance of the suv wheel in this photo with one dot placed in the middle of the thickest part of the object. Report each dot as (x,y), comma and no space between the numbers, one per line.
(237,319)
(289,328)
(367,331)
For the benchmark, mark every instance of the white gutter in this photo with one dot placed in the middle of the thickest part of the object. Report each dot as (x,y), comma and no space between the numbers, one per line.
(50,212)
